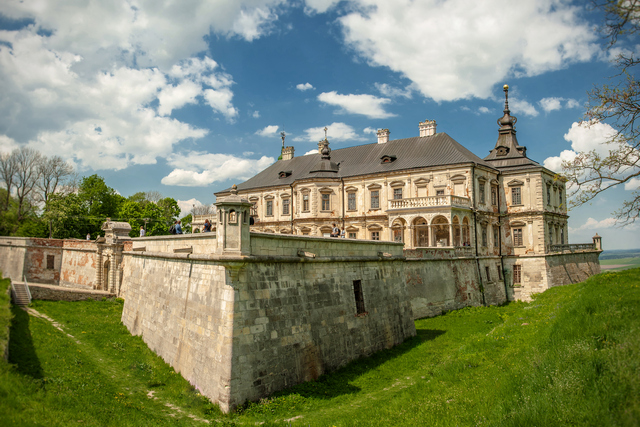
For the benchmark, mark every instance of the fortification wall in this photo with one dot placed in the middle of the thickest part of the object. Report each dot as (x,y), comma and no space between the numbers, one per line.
(202,243)
(13,253)
(241,328)
(39,260)
(79,264)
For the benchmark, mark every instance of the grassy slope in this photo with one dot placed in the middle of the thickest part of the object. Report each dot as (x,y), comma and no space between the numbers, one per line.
(570,357)
(627,262)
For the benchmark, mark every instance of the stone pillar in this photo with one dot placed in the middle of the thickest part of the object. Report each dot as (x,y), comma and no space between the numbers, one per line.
(597,242)
(99,269)
(233,225)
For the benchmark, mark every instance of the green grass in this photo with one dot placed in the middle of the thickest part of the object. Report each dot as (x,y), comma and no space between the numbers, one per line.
(626,263)
(571,357)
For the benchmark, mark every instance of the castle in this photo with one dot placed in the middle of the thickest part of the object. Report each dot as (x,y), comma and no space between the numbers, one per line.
(247,310)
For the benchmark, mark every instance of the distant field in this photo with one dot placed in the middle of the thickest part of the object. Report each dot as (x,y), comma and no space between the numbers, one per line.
(620,263)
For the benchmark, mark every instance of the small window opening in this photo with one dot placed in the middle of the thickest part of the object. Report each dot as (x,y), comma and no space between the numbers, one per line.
(517,274)
(50,261)
(357,291)
(486,270)
(499,272)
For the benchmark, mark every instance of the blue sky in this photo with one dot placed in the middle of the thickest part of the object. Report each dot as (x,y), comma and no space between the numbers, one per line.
(189,97)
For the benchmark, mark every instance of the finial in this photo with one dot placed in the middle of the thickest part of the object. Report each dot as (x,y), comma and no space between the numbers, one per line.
(282,135)
(234,189)
(507,119)
(325,132)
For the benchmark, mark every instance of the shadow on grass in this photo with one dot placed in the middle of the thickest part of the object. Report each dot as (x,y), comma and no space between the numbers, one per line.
(337,383)
(22,352)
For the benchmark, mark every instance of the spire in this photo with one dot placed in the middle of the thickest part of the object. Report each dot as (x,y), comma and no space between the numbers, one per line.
(507,122)
(325,164)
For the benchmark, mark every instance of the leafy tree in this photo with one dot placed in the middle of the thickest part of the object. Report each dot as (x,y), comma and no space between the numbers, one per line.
(186,223)
(619,104)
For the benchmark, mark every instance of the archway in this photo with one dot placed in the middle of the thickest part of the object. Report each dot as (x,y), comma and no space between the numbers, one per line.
(420,232)
(466,241)
(457,232)
(105,275)
(397,230)
(440,230)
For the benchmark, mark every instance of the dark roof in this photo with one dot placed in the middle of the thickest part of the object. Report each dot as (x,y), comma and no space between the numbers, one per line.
(410,153)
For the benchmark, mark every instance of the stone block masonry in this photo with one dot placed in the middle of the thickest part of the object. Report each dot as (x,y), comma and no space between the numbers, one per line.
(239,328)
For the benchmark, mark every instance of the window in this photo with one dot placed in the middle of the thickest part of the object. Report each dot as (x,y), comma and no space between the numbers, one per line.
(359,296)
(495,235)
(269,207)
(494,196)
(499,272)
(305,203)
(50,261)
(517,237)
(486,272)
(562,236)
(375,199)
(548,194)
(550,233)
(481,192)
(516,198)
(397,235)
(326,202)
(285,206)
(560,196)
(352,235)
(351,201)
(517,274)
(484,235)
(397,193)
(439,192)
(375,235)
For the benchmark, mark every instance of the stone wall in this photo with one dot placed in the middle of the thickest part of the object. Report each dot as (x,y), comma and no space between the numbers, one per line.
(59,293)
(241,328)
(202,243)
(79,263)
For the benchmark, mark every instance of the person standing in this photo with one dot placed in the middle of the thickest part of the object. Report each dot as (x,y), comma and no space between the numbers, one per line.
(88,236)
(207,226)
(178,227)
(142,232)
(335,231)
(343,233)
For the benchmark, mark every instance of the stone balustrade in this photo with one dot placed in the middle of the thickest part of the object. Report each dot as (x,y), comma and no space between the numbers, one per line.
(429,201)
(572,248)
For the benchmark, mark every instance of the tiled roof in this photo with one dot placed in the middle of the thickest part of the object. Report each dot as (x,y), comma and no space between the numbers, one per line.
(410,153)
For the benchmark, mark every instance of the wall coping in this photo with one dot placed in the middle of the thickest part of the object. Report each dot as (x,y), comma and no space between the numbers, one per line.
(258,258)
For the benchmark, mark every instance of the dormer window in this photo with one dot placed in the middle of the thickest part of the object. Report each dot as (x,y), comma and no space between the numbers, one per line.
(502,151)
(387,159)
(284,174)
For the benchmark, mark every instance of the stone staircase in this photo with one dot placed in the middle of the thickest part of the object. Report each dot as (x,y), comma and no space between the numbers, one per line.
(20,294)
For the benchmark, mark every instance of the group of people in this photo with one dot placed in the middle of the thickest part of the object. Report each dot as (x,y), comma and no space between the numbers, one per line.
(338,232)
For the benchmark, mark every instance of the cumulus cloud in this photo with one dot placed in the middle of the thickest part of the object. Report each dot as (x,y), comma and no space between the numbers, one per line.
(268,131)
(593,224)
(457,49)
(484,110)
(7,144)
(370,130)
(310,152)
(319,6)
(393,92)
(186,206)
(584,137)
(98,83)
(335,132)
(555,103)
(304,86)
(632,184)
(519,106)
(366,105)
(196,169)
(256,114)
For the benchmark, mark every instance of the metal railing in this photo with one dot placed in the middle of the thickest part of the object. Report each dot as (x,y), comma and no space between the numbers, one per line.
(429,201)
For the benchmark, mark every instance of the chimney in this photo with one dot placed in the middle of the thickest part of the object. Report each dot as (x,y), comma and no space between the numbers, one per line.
(383,136)
(287,153)
(427,128)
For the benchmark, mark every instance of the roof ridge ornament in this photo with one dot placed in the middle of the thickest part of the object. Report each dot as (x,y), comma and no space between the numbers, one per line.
(507,120)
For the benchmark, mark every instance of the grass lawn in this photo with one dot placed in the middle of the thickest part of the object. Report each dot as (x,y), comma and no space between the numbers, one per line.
(571,357)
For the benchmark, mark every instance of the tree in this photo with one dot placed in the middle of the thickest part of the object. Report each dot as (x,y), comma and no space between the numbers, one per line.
(28,163)
(8,170)
(53,173)
(591,173)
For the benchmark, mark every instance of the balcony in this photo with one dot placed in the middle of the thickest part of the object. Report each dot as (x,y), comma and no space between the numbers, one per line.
(430,202)
(572,248)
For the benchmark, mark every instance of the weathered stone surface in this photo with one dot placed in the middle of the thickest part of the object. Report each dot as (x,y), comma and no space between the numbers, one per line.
(59,293)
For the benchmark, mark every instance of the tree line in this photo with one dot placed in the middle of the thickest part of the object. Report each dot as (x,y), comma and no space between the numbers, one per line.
(43,197)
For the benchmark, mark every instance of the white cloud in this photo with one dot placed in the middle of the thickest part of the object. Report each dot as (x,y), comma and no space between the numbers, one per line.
(256,114)
(7,144)
(195,169)
(555,103)
(519,106)
(304,86)
(268,131)
(370,130)
(632,184)
(186,206)
(593,224)
(84,79)
(584,137)
(367,105)
(457,49)
(319,6)
(310,152)
(484,110)
(393,92)
(336,131)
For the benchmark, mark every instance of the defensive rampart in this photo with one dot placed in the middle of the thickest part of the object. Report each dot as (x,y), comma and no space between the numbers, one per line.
(242,327)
